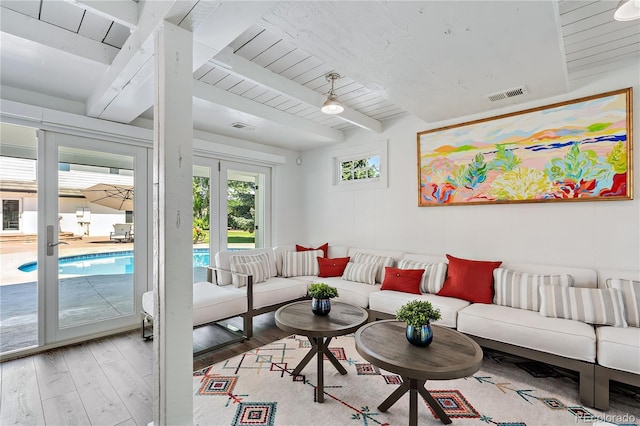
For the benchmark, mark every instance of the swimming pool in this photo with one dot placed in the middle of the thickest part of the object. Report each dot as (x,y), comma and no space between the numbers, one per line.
(113,263)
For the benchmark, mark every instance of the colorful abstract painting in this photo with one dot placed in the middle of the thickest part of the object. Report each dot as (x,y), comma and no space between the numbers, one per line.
(576,150)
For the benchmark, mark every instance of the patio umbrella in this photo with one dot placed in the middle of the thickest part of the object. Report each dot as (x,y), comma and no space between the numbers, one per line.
(119,197)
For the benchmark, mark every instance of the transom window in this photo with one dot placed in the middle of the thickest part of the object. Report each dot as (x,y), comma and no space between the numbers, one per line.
(360,169)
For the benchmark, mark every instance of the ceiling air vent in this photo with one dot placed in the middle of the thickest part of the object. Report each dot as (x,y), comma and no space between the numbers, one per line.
(509,93)
(239,125)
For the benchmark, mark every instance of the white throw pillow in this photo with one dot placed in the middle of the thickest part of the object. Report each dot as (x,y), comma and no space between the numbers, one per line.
(380,262)
(601,306)
(433,277)
(263,258)
(520,289)
(631,298)
(360,272)
(300,263)
(255,269)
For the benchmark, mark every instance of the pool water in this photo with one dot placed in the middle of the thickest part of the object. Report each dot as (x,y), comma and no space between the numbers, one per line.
(114,263)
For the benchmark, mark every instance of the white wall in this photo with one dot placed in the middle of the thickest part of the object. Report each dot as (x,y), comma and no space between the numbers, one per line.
(602,234)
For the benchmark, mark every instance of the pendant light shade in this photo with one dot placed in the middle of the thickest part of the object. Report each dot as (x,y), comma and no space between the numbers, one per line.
(332,105)
(627,10)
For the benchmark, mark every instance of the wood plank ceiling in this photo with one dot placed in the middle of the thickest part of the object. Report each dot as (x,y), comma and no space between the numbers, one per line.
(590,40)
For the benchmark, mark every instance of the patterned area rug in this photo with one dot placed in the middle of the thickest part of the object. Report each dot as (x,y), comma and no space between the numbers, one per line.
(258,389)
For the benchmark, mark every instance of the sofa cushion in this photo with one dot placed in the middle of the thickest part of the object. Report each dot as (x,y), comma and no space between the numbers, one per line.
(470,280)
(380,261)
(405,280)
(631,298)
(591,305)
(619,348)
(255,269)
(223,261)
(389,301)
(210,303)
(360,272)
(298,263)
(277,290)
(351,292)
(433,277)
(332,267)
(558,336)
(520,289)
(324,247)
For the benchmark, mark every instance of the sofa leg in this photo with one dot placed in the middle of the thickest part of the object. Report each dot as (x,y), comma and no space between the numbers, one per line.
(248,325)
(601,389)
(587,385)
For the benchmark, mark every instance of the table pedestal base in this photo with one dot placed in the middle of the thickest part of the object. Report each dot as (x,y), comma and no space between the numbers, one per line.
(414,387)
(320,348)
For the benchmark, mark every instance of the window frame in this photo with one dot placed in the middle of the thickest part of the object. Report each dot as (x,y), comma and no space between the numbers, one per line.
(359,152)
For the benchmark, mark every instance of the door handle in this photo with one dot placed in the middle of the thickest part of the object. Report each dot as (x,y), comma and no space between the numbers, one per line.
(50,243)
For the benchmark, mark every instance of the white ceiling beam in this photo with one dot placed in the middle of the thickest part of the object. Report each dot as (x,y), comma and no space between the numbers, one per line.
(124,12)
(28,28)
(135,55)
(210,93)
(248,70)
(127,90)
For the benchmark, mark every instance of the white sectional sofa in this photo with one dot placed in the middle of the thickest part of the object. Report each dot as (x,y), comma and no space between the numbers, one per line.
(599,353)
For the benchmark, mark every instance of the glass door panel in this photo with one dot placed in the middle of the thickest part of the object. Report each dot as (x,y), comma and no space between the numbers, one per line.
(18,238)
(247,205)
(95,271)
(201,221)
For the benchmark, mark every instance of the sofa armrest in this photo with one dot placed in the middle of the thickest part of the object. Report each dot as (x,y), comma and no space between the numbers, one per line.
(212,278)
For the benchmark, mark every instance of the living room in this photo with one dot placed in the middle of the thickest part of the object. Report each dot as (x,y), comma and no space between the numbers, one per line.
(308,206)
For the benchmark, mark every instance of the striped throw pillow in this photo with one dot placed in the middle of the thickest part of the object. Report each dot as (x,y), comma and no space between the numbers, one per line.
(297,263)
(631,298)
(603,306)
(380,261)
(520,289)
(433,277)
(360,272)
(263,258)
(254,269)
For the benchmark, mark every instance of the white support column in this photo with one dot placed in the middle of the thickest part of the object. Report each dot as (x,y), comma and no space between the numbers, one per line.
(172,223)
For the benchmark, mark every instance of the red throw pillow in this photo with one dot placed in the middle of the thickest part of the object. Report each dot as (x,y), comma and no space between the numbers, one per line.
(332,267)
(405,280)
(470,280)
(324,248)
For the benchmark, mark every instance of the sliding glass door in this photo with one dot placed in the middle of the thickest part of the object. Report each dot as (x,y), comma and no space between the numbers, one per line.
(95,209)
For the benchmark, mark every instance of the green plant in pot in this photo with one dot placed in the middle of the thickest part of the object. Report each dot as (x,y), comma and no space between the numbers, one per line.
(418,315)
(321,295)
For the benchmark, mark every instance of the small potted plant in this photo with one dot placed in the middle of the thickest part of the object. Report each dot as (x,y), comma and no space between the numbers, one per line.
(418,315)
(321,295)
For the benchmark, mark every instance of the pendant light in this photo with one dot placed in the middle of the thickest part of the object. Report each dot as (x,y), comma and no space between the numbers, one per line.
(627,10)
(332,105)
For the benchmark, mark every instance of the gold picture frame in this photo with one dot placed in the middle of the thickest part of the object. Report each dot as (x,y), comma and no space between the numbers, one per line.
(579,150)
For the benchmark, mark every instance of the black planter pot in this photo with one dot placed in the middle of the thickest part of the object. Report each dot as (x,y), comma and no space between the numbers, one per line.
(320,306)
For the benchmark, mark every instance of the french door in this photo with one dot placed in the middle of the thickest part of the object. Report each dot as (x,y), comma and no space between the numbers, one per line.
(92,245)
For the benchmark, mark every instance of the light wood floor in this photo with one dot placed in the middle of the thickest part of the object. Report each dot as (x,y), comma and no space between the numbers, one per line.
(100,382)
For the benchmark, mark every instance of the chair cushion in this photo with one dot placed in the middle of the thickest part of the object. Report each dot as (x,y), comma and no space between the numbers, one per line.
(592,305)
(619,348)
(631,298)
(388,301)
(470,280)
(332,267)
(559,336)
(255,269)
(277,290)
(520,289)
(404,280)
(434,274)
(299,263)
(360,272)
(210,303)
